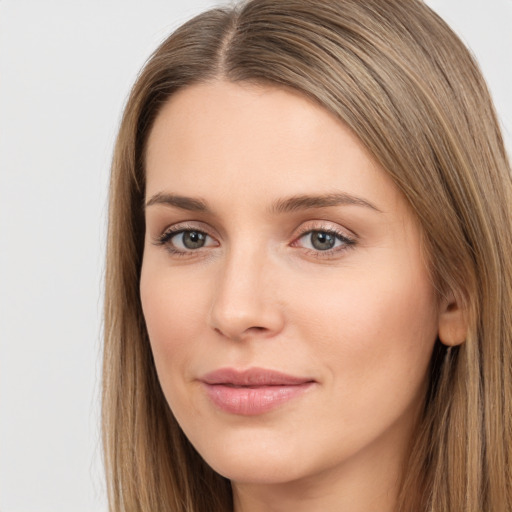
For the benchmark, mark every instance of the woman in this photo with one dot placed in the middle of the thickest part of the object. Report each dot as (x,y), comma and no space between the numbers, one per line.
(308,279)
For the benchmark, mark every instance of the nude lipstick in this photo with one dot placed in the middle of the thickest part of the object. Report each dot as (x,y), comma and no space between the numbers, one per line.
(253,391)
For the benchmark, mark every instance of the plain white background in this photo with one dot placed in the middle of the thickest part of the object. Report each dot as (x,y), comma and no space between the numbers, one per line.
(65,71)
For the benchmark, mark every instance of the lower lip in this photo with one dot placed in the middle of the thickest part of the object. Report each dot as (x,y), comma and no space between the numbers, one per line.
(251,401)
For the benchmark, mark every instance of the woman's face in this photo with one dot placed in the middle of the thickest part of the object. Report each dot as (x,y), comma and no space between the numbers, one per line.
(289,308)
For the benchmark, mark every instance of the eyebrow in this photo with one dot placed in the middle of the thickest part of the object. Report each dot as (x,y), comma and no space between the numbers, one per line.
(291,204)
(182,202)
(306,202)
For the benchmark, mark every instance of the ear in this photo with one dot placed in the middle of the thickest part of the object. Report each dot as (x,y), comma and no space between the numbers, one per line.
(452,322)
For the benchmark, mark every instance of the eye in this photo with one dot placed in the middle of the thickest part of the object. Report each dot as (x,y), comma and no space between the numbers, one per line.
(189,239)
(321,240)
(185,240)
(324,240)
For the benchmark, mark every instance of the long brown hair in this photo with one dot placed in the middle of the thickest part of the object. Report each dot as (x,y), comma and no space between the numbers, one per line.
(393,72)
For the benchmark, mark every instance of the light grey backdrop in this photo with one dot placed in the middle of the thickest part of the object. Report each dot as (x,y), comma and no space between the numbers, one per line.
(65,71)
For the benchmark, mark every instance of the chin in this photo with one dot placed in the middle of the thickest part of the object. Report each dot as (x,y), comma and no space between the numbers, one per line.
(248,459)
(264,470)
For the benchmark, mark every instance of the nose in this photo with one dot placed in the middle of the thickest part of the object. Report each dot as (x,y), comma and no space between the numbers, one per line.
(245,303)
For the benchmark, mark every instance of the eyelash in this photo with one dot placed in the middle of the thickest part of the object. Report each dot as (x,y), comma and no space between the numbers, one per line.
(347,242)
(169,233)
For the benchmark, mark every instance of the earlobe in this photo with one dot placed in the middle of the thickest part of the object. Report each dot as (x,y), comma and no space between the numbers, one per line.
(452,323)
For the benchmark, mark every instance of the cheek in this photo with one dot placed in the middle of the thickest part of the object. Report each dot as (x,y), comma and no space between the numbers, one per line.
(388,314)
(172,307)
(375,332)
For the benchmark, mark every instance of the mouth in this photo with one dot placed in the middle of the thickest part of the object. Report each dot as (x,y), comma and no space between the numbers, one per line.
(254,391)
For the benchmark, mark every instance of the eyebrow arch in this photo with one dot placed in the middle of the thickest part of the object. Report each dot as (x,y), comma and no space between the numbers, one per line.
(291,204)
(305,202)
(185,203)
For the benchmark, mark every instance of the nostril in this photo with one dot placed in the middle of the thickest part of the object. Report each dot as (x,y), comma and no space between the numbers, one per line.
(232,335)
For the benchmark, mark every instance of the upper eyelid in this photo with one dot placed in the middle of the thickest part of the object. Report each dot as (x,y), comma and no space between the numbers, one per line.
(328,226)
(189,226)
(177,229)
(347,240)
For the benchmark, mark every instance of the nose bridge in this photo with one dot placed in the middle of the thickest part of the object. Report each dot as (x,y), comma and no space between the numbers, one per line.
(244,301)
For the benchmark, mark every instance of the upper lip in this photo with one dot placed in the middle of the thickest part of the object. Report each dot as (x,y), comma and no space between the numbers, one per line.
(252,377)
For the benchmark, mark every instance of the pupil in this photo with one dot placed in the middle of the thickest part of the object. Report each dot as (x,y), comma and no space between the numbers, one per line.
(193,239)
(322,241)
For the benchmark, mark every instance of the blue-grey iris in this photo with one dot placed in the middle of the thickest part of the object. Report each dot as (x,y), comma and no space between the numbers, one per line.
(193,239)
(322,241)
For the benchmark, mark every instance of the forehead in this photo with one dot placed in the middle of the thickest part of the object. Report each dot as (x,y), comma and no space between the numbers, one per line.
(255,143)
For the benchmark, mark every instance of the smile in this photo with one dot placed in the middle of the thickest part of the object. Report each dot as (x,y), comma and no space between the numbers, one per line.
(254,391)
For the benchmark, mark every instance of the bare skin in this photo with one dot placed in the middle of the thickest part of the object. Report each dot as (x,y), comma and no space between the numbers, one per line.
(274,241)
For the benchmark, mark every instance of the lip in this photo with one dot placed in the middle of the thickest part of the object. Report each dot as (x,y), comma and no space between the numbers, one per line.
(253,391)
